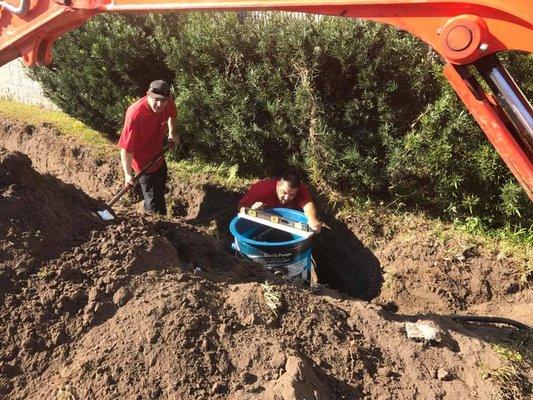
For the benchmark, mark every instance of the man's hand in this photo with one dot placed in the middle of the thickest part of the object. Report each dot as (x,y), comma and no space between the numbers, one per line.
(315,225)
(128,180)
(258,206)
(173,142)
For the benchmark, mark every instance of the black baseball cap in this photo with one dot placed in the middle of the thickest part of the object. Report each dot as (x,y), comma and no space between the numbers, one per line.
(159,89)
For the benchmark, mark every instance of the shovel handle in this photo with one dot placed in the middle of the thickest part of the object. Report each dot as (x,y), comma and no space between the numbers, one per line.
(128,186)
(115,198)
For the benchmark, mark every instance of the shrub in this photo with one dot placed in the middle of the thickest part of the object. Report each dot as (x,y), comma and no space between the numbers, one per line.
(100,68)
(248,90)
(447,165)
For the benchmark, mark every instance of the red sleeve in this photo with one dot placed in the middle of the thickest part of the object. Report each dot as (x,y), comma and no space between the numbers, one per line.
(128,138)
(251,196)
(303,197)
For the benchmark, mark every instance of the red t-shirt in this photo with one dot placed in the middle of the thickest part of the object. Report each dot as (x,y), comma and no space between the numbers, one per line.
(265,192)
(144,131)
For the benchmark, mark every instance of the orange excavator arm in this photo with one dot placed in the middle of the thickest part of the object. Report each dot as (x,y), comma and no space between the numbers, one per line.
(466,33)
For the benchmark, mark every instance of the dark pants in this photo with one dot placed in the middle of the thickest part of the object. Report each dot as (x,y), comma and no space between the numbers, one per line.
(153,188)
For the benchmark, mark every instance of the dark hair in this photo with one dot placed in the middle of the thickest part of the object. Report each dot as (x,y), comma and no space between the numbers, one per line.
(293,177)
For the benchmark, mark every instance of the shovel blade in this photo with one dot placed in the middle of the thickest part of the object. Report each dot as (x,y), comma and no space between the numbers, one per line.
(105,215)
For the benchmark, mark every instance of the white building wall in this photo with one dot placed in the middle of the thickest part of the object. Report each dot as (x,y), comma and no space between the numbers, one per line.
(16,85)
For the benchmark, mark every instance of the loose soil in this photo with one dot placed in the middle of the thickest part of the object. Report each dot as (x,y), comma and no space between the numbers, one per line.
(158,308)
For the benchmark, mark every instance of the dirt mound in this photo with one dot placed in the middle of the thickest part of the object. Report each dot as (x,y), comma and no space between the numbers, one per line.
(40,216)
(426,272)
(63,157)
(143,308)
(65,271)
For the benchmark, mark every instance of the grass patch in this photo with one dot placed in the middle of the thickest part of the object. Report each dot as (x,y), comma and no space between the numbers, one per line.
(391,279)
(513,235)
(65,124)
(511,379)
(507,242)
(188,170)
(272,297)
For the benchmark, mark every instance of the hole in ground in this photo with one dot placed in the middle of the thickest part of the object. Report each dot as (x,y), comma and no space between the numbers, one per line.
(346,265)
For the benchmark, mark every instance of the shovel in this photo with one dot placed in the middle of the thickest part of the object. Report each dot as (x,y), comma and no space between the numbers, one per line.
(105,214)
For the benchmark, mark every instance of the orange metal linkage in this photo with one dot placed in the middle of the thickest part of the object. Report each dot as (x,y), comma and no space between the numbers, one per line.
(461,31)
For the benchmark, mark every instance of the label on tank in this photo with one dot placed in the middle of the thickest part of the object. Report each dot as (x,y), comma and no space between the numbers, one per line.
(297,268)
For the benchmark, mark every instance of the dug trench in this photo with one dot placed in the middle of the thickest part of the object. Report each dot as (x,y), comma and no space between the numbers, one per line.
(147,308)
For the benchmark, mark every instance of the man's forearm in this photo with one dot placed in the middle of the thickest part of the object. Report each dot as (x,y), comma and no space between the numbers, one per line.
(310,211)
(172,128)
(312,216)
(125,159)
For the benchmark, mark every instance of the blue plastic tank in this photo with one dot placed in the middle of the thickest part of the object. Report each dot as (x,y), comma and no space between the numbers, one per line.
(277,250)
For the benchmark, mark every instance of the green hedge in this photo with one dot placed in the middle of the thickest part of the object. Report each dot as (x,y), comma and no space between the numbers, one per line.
(361,106)
(101,67)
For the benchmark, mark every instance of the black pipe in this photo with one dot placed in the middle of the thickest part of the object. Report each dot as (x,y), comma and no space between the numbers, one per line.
(490,320)
(510,98)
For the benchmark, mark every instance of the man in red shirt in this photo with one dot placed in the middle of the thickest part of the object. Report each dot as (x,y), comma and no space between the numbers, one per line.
(287,192)
(147,122)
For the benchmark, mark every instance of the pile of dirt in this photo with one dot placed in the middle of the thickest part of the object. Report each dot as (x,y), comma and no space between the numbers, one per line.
(451,276)
(41,216)
(63,157)
(428,267)
(64,271)
(149,308)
